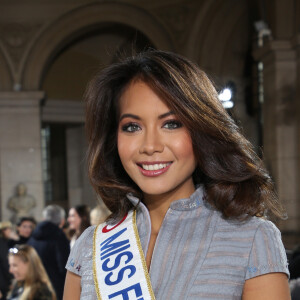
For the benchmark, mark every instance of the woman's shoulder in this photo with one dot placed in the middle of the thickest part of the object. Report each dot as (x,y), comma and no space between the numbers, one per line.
(85,236)
(16,291)
(255,239)
(250,225)
(85,239)
(254,234)
(262,244)
(87,232)
(81,252)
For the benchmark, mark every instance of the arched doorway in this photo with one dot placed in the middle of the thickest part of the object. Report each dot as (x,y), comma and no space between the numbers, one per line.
(64,81)
(82,21)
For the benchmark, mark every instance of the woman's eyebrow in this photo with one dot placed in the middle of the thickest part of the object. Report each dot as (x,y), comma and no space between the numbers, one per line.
(166,115)
(129,116)
(138,118)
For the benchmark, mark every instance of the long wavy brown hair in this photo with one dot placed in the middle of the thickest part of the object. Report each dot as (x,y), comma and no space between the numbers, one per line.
(36,275)
(235,180)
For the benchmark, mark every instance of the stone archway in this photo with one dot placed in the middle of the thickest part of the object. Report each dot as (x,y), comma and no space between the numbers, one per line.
(80,21)
(6,83)
(210,41)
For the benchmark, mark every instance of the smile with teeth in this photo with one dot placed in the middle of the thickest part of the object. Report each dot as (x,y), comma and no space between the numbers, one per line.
(154,167)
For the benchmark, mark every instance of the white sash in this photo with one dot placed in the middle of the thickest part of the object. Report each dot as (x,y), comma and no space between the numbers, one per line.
(119,266)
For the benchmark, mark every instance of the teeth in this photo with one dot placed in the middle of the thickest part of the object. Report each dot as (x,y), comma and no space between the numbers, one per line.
(154,167)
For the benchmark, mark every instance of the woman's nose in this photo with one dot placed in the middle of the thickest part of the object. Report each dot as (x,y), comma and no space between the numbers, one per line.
(152,142)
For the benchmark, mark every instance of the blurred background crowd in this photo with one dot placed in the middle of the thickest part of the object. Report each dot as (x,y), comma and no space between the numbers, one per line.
(33,255)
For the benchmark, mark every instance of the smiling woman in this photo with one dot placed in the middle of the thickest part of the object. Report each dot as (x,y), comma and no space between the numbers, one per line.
(188,195)
(18,267)
(31,280)
(154,147)
(79,220)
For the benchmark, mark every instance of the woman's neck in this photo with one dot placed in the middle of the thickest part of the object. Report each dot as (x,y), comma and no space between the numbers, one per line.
(158,205)
(157,209)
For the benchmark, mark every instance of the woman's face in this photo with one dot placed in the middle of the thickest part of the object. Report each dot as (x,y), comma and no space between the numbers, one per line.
(155,148)
(25,229)
(17,267)
(74,219)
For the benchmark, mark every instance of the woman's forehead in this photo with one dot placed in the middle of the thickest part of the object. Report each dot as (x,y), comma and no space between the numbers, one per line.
(15,258)
(139,96)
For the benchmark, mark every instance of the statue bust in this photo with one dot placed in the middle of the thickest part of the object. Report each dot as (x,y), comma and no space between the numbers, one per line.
(21,204)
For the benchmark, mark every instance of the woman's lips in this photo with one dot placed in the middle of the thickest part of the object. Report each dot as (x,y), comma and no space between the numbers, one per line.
(154,168)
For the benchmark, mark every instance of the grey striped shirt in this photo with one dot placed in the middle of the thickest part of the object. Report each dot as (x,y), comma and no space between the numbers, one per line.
(197,255)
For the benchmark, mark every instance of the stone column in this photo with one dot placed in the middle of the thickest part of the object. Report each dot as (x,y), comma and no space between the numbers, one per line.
(20,148)
(297,48)
(79,187)
(280,129)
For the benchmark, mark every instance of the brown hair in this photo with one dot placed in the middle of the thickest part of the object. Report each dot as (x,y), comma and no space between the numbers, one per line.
(235,181)
(36,275)
(83,212)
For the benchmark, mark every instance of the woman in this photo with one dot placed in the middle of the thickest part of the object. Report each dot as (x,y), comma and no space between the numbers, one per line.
(25,227)
(99,214)
(186,191)
(31,280)
(79,220)
(8,233)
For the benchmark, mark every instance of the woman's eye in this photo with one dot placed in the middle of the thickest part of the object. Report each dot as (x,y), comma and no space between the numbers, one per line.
(172,124)
(131,127)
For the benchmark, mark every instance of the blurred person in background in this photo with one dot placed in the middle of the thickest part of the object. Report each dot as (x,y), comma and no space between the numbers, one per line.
(294,268)
(5,277)
(31,280)
(8,238)
(8,233)
(99,214)
(25,227)
(294,263)
(295,288)
(52,245)
(79,220)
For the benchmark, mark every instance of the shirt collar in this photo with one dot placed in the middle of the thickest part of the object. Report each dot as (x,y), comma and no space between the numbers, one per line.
(191,203)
